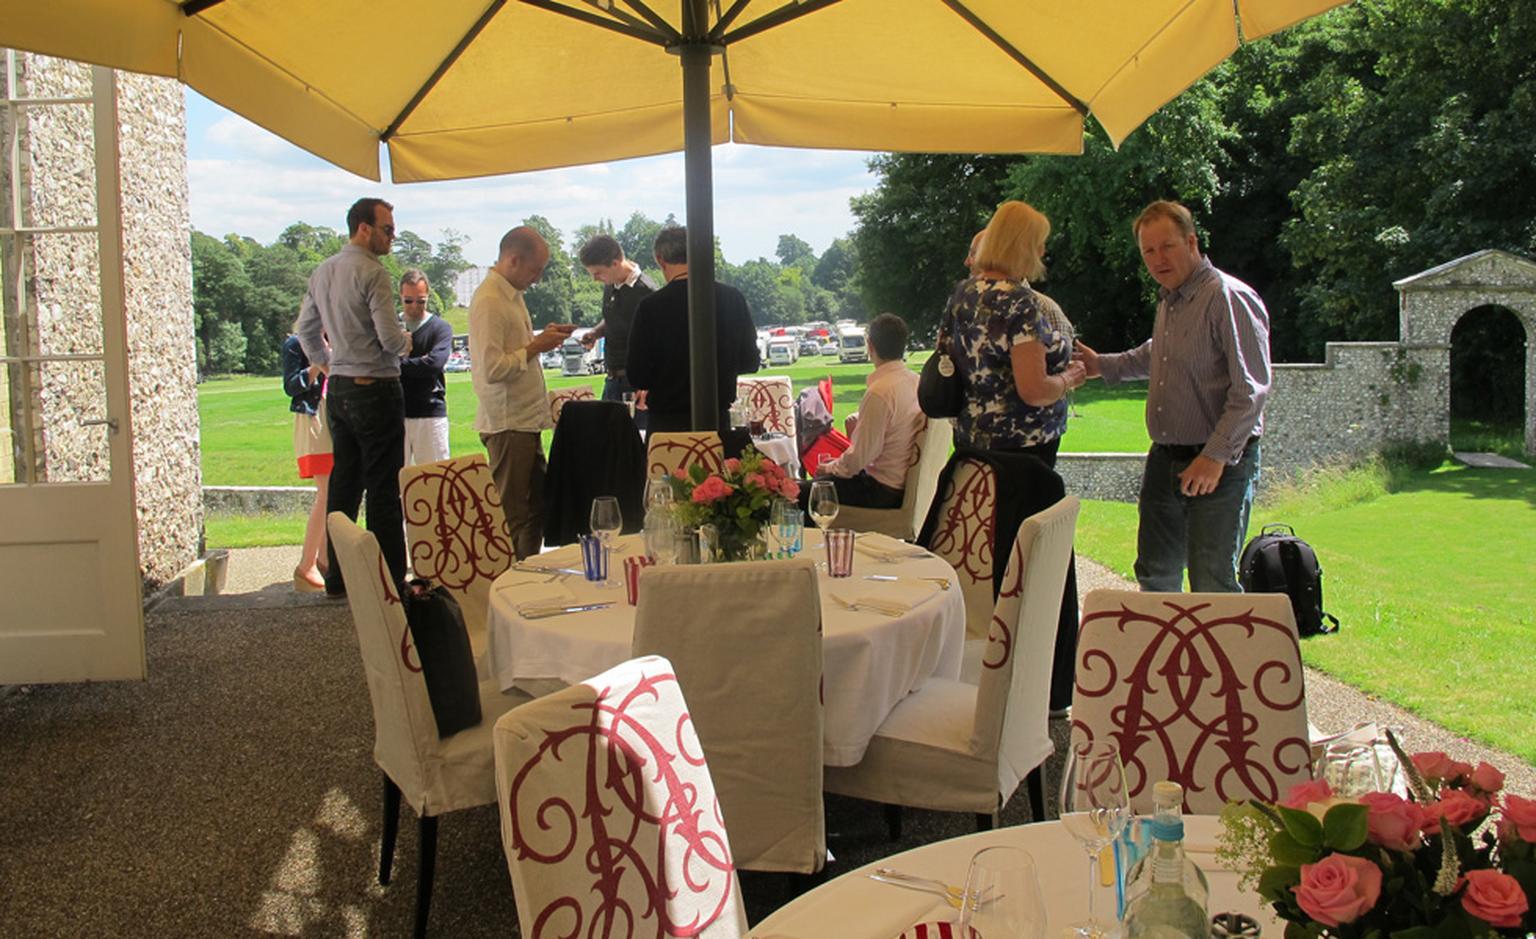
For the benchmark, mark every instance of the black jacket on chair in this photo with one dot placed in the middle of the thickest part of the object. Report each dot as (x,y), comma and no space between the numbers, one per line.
(1025,485)
(596,451)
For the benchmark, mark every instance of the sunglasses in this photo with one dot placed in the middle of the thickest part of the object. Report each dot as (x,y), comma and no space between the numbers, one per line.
(386,229)
(409,301)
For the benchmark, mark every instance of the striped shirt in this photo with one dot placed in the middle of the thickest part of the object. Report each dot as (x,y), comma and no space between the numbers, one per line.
(1207,365)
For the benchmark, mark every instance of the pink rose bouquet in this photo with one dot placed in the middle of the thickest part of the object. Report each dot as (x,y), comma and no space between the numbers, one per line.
(735,500)
(1456,859)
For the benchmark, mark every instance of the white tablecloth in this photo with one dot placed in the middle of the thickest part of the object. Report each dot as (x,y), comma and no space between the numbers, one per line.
(781,450)
(870,660)
(854,907)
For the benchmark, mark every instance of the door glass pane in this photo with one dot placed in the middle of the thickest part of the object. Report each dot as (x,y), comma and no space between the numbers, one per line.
(72,397)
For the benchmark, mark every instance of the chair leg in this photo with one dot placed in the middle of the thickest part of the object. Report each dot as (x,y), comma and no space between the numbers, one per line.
(985,821)
(1036,783)
(391,827)
(427,863)
(893,821)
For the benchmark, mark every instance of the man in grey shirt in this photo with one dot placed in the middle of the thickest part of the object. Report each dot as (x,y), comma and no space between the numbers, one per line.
(1208,369)
(351,301)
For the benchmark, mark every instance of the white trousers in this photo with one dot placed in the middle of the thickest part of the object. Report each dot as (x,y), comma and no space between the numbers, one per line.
(426,440)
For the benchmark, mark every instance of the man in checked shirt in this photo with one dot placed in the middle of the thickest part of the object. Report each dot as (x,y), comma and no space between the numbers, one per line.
(1207,366)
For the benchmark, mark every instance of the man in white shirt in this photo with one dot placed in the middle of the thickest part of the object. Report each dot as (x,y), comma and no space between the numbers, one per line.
(509,382)
(873,471)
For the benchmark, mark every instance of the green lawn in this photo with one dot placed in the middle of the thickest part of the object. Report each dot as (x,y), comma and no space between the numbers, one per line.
(248,432)
(1432,581)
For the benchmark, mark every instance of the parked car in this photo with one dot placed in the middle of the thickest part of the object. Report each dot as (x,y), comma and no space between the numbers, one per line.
(457,362)
(809,346)
(783,351)
(550,359)
(829,347)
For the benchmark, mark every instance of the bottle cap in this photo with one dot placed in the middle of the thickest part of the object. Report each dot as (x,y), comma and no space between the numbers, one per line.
(1167,829)
(1167,792)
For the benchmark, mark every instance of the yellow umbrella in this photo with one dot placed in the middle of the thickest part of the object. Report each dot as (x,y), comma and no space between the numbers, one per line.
(460,88)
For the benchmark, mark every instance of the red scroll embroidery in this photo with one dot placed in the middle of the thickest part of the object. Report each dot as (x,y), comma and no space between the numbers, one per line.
(964,537)
(469,537)
(1188,699)
(671,452)
(769,401)
(637,820)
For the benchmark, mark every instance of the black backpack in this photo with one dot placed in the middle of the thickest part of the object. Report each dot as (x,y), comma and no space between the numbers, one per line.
(447,661)
(1276,561)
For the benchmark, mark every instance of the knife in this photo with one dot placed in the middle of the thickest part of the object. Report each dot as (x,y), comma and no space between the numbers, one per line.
(545,569)
(560,610)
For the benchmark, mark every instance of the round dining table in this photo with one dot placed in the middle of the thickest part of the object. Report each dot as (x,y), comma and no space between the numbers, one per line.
(855,907)
(896,622)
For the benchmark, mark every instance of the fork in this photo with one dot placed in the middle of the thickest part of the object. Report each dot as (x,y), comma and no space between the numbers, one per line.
(863,607)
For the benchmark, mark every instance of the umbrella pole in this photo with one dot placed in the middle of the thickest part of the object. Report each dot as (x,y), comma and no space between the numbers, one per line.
(703,362)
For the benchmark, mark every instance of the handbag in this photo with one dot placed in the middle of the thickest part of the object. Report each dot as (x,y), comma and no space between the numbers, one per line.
(447,661)
(940,389)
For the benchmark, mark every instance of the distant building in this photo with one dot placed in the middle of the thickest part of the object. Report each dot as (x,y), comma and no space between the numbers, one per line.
(468,281)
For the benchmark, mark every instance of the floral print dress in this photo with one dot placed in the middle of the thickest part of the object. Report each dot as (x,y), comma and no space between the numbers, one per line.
(986,319)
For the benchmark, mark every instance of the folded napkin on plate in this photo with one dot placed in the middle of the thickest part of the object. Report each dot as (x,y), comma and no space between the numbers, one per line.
(893,598)
(565,556)
(883,547)
(534,599)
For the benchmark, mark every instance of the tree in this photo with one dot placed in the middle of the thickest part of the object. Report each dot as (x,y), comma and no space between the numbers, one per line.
(837,274)
(219,289)
(638,238)
(549,300)
(443,268)
(793,251)
(313,243)
(914,227)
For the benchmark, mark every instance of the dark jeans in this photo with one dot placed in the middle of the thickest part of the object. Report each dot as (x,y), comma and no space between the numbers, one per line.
(862,490)
(615,386)
(1201,533)
(368,440)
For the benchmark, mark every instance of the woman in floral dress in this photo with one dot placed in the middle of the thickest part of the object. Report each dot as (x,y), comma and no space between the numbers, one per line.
(1012,345)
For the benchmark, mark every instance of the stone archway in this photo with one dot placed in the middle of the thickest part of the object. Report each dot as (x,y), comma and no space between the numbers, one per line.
(1431,302)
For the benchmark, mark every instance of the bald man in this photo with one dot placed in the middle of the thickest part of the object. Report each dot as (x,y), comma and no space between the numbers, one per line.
(509,382)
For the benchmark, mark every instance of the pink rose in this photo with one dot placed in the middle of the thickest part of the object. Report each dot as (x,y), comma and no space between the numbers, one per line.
(1304,793)
(681,473)
(1494,897)
(1487,778)
(1393,822)
(1338,889)
(1519,818)
(790,489)
(770,468)
(733,465)
(712,489)
(1455,806)
(754,480)
(1434,764)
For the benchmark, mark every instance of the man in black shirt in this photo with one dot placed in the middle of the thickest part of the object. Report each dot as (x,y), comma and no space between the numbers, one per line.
(659,348)
(421,373)
(624,286)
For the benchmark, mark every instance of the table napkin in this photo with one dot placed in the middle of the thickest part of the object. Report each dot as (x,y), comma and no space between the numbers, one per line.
(883,547)
(534,599)
(893,597)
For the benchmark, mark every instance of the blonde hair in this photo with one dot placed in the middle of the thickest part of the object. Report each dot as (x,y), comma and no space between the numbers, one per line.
(1014,241)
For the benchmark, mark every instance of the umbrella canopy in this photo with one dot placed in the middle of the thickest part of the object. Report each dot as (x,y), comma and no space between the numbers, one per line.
(461,88)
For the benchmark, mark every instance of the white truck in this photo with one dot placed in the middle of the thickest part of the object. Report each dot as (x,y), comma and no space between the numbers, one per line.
(850,345)
(577,359)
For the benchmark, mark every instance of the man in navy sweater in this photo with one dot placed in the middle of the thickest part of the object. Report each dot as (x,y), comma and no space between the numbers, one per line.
(421,373)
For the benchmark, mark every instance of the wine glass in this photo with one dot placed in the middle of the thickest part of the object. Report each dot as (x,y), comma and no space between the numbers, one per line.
(1002,896)
(1351,768)
(1095,806)
(658,492)
(606,522)
(823,503)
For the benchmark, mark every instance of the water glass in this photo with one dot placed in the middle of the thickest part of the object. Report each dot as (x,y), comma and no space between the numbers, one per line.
(1002,896)
(839,552)
(709,544)
(791,528)
(661,531)
(594,558)
(658,492)
(1351,769)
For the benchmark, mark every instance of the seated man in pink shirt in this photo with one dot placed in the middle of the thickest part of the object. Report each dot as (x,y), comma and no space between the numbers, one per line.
(873,471)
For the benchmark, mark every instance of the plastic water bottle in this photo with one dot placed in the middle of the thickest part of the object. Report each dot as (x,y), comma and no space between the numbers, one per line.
(1168,894)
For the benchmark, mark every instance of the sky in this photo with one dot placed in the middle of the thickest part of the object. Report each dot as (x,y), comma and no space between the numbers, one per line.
(247,181)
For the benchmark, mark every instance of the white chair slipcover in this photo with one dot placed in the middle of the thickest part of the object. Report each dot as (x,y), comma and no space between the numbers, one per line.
(457,534)
(928,458)
(559,398)
(745,640)
(957,747)
(770,399)
(1205,689)
(609,818)
(966,537)
(667,453)
(434,776)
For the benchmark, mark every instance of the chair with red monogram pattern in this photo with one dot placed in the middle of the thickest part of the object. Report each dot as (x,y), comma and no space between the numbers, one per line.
(965,537)
(929,453)
(667,453)
(457,535)
(435,775)
(609,819)
(957,747)
(562,396)
(770,399)
(1205,689)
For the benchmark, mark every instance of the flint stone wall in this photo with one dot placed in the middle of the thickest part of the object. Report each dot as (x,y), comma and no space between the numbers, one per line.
(63,296)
